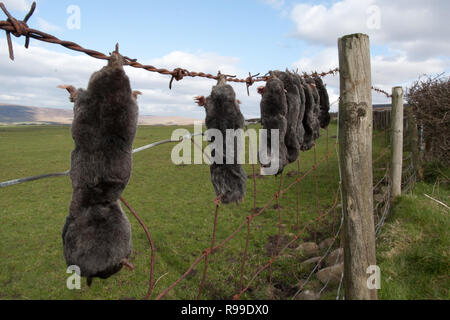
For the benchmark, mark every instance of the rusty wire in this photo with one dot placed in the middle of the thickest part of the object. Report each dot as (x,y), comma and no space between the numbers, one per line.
(247,240)
(20,28)
(213,242)
(152,247)
(388,95)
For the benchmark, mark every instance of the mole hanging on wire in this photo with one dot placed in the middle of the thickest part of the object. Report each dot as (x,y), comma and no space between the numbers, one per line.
(293,100)
(274,109)
(309,119)
(324,116)
(223,113)
(97,233)
(300,127)
(316,107)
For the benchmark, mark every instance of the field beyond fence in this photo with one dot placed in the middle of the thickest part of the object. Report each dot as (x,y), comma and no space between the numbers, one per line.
(176,203)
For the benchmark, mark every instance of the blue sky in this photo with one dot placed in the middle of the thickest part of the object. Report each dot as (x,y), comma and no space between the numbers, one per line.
(236,36)
(252,30)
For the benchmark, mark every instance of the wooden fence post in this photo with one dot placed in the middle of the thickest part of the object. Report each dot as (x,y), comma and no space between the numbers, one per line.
(355,153)
(397,142)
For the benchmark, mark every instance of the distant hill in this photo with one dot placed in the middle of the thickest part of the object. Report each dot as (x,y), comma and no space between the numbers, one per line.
(15,114)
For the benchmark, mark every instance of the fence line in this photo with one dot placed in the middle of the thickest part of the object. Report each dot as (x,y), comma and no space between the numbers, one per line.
(20,28)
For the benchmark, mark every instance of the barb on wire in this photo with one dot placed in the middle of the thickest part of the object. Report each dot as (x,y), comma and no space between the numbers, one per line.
(250,81)
(20,28)
(316,74)
(382,92)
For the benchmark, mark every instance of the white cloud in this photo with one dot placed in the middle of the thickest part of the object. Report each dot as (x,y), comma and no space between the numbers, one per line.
(413,34)
(32,79)
(321,25)
(19,5)
(387,72)
(418,28)
(45,26)
(206,62)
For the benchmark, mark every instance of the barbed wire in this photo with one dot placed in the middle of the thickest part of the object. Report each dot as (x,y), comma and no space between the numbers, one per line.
(151,284)
(20,28)
(388,95)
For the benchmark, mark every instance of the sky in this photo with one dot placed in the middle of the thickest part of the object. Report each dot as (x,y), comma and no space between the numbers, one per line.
(409,38)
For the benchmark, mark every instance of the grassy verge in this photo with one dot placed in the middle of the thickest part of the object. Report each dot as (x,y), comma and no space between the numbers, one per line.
(414,247)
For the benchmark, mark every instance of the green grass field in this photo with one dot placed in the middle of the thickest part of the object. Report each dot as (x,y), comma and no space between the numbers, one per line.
(413,250)
(176,202)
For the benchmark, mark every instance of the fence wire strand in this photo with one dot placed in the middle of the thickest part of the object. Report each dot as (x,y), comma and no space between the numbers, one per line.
(20,28)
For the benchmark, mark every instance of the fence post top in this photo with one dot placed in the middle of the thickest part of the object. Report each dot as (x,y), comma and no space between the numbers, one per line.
(397,90)
(353,35)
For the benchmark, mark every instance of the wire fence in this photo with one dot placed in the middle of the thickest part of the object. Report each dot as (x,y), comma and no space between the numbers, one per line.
(247,276)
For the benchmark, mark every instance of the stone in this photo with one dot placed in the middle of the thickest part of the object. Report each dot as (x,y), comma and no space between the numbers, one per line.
(308,295)
(310,263)
(333,274)
(308,249)
(335,257)
(325,244)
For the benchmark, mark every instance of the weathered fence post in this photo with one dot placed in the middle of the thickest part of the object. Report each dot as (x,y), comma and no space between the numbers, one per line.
(355,153)
(397,142)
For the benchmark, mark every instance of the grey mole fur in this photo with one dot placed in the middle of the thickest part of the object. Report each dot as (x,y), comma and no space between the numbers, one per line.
(293,100)
(324,116)
(274,108)
(222,113)
(97,234)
